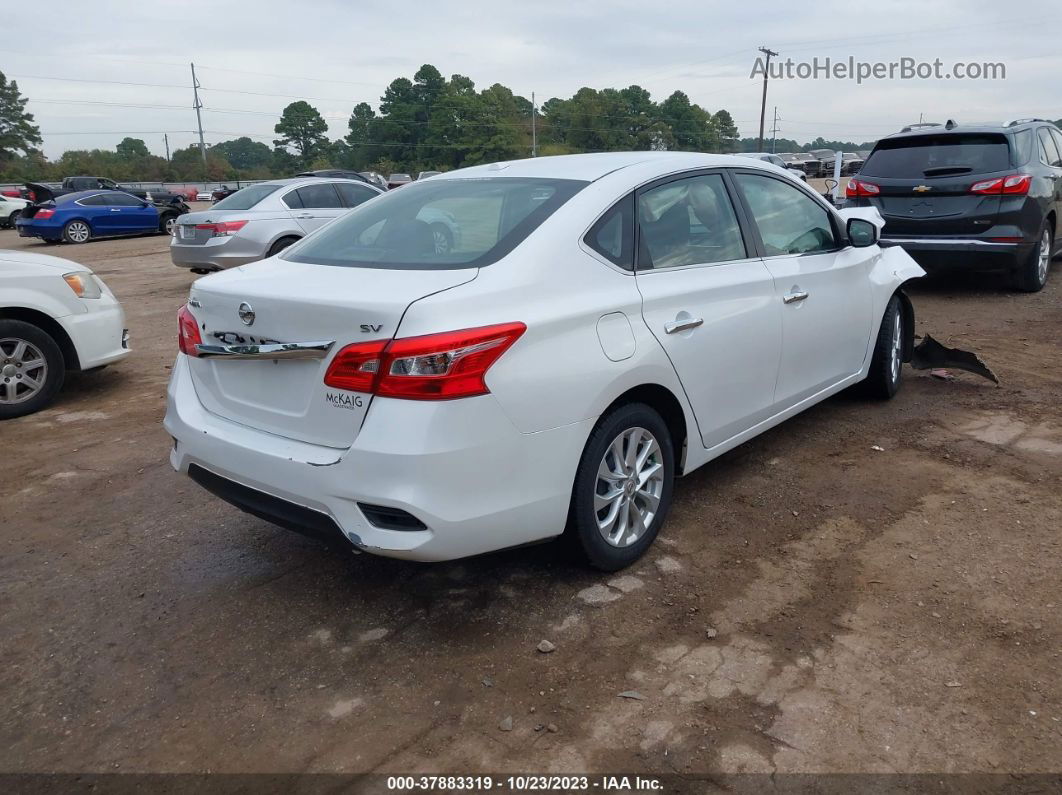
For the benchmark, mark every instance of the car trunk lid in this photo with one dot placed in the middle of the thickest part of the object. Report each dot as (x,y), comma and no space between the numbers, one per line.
(924,182)
(297,302)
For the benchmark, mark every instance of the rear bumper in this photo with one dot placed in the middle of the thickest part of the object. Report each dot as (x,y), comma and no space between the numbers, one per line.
(216,254)
(41,230)
(460,467)
(969,253)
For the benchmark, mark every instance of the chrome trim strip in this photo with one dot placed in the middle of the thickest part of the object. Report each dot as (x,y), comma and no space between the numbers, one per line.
(280,350)
(953,241)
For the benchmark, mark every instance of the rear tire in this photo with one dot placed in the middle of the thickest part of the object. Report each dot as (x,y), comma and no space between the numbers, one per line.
(886,366)
(623,487)
(167,224)
(77,232)
(32,369)
(280,245)
(1031,275)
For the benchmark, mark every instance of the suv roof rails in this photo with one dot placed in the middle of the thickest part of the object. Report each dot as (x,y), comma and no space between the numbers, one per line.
(920,125)
(1015,122)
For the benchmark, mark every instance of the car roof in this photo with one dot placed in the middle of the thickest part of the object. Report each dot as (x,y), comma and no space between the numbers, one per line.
(591,167)
(299,181)
(84,194)
(977,127)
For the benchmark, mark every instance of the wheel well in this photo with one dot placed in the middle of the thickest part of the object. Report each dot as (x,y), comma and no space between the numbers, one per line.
(1054,225)
(666,404)
(49,325)
(282,238)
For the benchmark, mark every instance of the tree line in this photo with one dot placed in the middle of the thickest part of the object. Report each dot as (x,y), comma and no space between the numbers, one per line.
(428,122)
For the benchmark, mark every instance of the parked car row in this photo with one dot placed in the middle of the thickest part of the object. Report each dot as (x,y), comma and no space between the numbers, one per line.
(775,160)
(820,162)
(78,217)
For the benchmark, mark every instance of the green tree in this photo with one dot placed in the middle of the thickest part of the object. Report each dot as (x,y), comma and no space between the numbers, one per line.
(302,128)
(18,133)
(726,130)
(132,147)
(244,154)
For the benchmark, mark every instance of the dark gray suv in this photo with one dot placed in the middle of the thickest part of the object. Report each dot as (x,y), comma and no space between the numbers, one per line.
(985,197)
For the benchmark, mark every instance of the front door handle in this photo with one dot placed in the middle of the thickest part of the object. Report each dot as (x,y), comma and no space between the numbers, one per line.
(793,297)
(116,209)
(682,325)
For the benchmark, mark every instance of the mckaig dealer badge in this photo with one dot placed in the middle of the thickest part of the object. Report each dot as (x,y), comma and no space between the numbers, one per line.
(343,401)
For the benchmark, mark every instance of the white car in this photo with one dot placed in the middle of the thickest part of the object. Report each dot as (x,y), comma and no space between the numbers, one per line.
(608,322)
(204,196)
(55,315)
(10,209)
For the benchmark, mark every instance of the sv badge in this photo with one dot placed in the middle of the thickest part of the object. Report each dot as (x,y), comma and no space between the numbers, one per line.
(370,328)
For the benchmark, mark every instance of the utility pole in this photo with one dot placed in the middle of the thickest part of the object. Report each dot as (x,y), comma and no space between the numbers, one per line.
(534,131)
(166,139)
(763,102)
(199,118)
(774,129)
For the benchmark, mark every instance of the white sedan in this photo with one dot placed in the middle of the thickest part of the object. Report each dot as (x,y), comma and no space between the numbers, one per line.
(606,323)
(10,209)
(55,315)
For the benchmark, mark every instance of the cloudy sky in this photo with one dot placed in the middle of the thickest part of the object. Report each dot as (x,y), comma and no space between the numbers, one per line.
(255,57)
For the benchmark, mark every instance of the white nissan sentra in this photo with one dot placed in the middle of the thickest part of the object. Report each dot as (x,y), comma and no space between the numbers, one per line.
(607,322)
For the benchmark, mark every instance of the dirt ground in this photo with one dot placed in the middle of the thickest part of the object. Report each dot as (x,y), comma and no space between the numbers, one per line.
(813,604)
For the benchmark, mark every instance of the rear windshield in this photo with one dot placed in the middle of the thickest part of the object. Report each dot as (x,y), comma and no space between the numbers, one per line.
(438,224)
(938,155)
(246,198)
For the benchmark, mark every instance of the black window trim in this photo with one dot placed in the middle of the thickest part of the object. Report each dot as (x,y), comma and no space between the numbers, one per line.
(588,247)
(840,235)
(739,213)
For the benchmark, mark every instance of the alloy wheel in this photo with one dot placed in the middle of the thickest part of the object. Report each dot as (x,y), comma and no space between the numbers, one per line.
(630,482)
(1044,259)
(23,370)
(441,241)
(77,231)
(896,348)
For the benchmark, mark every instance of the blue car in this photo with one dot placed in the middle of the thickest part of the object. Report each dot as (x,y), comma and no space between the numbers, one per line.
(79,217)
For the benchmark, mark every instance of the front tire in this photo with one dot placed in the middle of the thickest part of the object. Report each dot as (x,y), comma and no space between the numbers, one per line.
(1031,275)
(623,487)
(32,369)
(77,232)
(886,365)
(13,218)
(442,238)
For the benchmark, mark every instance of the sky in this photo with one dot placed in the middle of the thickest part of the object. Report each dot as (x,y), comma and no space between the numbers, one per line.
(253,58)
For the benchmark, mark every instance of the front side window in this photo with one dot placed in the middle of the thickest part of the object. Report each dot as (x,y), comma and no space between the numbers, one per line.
(789,221)
(485,218)
(118,199)
(688,222)
(613,235)
(319,197)
(353,195)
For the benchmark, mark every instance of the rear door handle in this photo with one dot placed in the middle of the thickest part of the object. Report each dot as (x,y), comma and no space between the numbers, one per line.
(682,325)
(116,209)
(304,215)
(792,298)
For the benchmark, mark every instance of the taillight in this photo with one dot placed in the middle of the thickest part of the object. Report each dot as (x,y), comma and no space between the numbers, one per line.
(41,215)
(223,228)
(859,188)
(444,366)
(188,335)
(1012,185)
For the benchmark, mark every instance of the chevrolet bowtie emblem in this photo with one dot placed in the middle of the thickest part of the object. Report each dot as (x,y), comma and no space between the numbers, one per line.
(923,188)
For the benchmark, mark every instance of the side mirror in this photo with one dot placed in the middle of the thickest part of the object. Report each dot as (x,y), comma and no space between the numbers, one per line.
(862,233)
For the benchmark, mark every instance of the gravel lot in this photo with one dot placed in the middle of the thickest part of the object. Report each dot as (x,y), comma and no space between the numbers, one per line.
(814,604)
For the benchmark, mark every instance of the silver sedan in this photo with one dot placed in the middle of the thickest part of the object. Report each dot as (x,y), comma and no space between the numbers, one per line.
(261,220)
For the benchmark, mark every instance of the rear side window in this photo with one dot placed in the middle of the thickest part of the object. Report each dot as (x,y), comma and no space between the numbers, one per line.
(318,197)
(938,155)
(789,221)
(98,200)
(246,198)
(438,224)
(613,235)
(1058,138)
(353,195)
(1050,150)
(121,200)
(687,222)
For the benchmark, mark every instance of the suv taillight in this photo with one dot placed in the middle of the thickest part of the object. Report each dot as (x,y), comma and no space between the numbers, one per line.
(223,228)
(443,366)
(1011,185)
(188,335)
(859,188)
